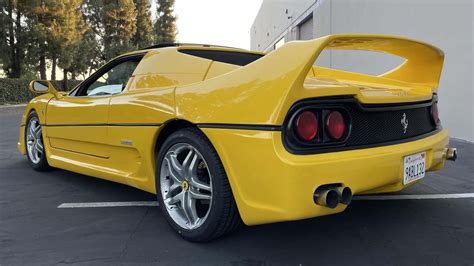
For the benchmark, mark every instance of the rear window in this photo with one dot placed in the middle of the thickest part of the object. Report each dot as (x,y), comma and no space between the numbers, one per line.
(229,57)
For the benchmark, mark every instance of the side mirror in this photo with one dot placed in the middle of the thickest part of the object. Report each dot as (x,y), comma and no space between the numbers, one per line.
(43,86)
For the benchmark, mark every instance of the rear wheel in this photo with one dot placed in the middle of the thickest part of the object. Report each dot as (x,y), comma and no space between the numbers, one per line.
(193,189)
(34,143)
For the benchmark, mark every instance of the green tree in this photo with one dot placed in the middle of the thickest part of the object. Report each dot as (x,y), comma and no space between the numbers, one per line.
(114,24)
(165,25)
(93,14)
(144,35)
(40,21)
(67,29)
(12,37)
(84,55)
(64,32)
(119,22)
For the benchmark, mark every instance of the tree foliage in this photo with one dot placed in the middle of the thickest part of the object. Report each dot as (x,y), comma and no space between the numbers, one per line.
(165,25)
(77,35)
(119,22)
(144,35)
(12,37)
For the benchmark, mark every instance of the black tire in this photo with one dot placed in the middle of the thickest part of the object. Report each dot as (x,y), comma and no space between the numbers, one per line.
(223,216)
(42,164)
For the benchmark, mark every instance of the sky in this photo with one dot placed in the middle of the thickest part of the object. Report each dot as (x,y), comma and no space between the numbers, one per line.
(219,22)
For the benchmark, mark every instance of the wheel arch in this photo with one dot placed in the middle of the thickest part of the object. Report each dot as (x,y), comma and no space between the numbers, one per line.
(169,128)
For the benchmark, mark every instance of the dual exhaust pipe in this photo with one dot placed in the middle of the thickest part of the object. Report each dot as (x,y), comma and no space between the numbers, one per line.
(331,195)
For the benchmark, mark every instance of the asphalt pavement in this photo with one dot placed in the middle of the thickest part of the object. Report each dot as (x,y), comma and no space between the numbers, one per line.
(33,231)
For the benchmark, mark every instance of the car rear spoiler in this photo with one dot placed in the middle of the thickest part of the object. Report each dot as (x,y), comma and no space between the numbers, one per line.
(422,66)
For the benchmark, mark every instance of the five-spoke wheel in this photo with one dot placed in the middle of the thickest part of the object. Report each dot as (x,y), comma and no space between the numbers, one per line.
(192,187)
(186,185)
(34,143)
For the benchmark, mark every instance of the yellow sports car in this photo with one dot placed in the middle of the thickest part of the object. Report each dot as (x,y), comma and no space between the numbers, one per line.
(223,135)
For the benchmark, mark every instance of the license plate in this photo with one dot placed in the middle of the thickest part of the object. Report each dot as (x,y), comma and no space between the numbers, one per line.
(414,167)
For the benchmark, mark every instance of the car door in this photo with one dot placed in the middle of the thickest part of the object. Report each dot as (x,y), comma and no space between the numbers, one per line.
(78,122)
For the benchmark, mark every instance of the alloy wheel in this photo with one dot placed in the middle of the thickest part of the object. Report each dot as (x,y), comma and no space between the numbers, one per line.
(34,140)
(186,186)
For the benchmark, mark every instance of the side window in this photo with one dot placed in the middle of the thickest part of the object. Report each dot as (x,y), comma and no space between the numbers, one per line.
(111,82)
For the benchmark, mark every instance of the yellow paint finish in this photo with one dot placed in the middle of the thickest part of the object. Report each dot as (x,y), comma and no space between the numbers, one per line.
(218,68)
(166,67)
(20,146)
(153,81)
(91,112)
(271,185)
(137,159)
(86,164)
(132,164)
(153,106)
(88,146)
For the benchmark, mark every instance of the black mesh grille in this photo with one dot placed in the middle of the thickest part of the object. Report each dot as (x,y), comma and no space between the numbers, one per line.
(374,127)
(370,125)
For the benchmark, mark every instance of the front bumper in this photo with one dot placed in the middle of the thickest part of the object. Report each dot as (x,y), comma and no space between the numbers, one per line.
(21,141)
(271,185)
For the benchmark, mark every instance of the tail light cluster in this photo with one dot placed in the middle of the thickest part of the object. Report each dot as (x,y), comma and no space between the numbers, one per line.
(337,123)
(320,126)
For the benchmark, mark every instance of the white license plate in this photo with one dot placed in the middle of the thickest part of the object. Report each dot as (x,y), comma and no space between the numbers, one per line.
(414,167)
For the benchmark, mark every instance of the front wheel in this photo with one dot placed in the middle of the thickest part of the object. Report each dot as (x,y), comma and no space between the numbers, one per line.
(192,188)
(34,143)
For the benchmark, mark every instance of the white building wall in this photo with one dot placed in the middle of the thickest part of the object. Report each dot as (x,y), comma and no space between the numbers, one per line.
(274,21)
(448,24)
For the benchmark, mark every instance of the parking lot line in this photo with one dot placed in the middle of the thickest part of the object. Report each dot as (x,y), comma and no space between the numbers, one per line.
(108,204)
(416,197)
(361,198)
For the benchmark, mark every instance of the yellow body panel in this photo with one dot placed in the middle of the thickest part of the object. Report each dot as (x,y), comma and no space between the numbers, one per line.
(115,137)
(88,114)
(270,184)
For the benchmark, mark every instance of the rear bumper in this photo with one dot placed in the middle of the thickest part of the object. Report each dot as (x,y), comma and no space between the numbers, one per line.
(272,185)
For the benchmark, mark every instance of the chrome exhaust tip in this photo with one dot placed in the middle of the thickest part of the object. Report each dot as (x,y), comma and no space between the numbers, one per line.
(345,195)
(451,154)
(326,197)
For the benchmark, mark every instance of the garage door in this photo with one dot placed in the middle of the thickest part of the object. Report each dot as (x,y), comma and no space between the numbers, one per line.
(306,29)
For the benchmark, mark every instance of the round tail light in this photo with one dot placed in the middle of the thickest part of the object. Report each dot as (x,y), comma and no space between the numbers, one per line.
(335,125)
(307,125)
(435,112)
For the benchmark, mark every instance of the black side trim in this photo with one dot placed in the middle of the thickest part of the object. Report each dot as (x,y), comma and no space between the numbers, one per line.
(102,125)
(241,126)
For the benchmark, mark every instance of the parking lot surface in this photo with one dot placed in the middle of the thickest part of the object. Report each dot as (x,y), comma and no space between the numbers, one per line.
(34,231)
